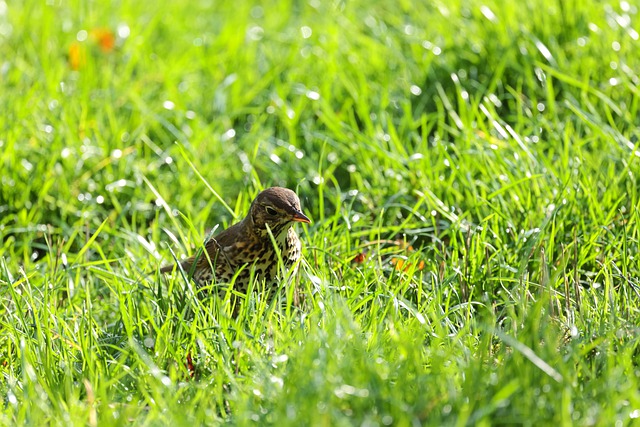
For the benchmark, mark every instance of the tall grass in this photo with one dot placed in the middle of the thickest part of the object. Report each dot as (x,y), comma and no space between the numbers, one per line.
(470,170)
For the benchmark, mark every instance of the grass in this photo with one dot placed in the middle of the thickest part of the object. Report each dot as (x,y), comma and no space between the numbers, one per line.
(471,171)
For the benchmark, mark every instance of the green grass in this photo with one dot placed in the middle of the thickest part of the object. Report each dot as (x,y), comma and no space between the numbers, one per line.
(481,160)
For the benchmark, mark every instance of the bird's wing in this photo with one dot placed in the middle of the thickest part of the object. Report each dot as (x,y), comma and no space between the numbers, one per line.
(215,251)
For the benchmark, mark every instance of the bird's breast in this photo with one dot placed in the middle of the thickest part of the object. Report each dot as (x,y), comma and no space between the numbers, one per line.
(255,256)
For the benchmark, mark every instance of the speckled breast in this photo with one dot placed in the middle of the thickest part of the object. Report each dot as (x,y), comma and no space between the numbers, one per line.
(259,259)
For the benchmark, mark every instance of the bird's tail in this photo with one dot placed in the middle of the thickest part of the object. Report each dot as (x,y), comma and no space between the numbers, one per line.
(186,266)
(167,268)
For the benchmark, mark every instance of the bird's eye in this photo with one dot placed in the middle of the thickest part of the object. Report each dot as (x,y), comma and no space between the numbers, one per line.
(270,211)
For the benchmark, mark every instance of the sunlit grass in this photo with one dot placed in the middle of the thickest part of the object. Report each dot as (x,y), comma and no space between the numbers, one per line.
(470,171)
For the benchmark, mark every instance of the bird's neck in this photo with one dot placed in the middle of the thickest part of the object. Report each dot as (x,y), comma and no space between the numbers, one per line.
(279,232)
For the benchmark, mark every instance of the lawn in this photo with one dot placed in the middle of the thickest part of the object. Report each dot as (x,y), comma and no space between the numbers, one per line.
(471,170)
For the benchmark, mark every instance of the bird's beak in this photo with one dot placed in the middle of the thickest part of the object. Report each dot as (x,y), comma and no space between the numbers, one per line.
(300,217)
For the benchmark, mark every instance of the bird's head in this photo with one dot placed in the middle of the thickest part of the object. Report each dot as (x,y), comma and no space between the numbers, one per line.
(278,208)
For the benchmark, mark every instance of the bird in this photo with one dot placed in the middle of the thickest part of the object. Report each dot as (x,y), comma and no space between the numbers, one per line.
(246,248)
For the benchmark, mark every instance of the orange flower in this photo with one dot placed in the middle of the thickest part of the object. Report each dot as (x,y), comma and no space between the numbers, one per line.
(77,56)
(105,39)
(399,263)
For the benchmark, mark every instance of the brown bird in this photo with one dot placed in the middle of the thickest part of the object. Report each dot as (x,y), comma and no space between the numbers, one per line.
(246,248)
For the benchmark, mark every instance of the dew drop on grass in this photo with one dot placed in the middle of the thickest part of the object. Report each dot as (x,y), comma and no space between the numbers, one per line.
(82,35)
(275,159)
(280,358)
(290,113)
(116,154)
(544,50)
(117,184)
(370,21)
(169,105)
(306,32)
(228,135)
(495,100)
(255,33)
(623,20)
(27,165)
(415,90)
(488,13)
(150,246)
(277,381)
(123,31)
(314,96)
